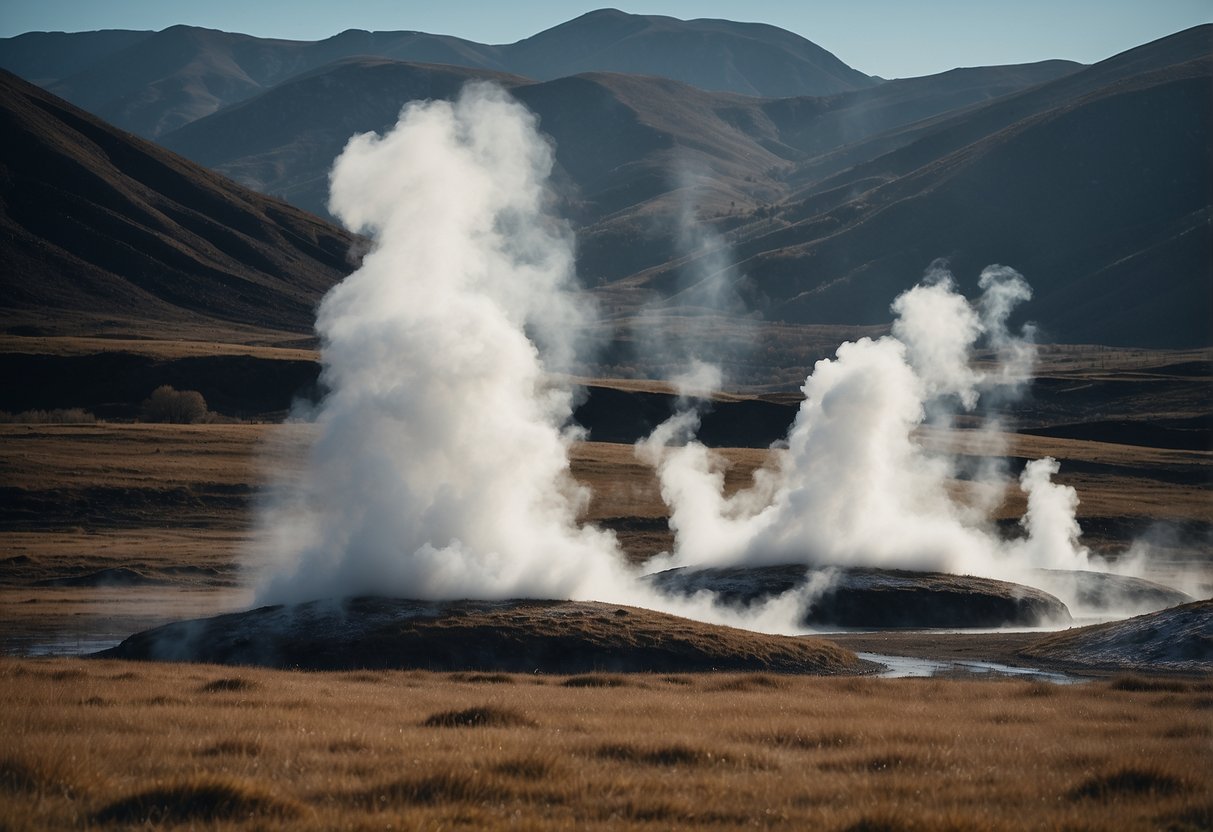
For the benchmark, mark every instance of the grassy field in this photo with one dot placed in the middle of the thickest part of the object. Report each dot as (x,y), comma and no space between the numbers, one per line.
(110,528)
(174,505)
(98,744)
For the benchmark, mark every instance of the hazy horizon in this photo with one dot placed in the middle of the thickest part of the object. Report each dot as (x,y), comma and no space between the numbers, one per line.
(877,37)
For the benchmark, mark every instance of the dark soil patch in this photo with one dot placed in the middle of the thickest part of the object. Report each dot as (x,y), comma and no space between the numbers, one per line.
(208,800)
(483,678)
(526,768)
(796,741)
(231,685)
(1129,782)
(754,681)
(596,680)
(680,756)
(1142,684)
(481,717)
(115,576)
(431,790)
(231,748)
(25,776)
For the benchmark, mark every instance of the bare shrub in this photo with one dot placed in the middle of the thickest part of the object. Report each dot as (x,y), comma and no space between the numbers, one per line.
(177,407)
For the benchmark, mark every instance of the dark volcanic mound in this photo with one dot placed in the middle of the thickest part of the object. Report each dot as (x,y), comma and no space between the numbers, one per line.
(1104,591)
(1176,640)
(519,636)
(876,598)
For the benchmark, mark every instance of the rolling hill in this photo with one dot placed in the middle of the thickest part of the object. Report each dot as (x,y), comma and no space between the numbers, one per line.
(626,145)
(152,83)
(101,231)
(747,58)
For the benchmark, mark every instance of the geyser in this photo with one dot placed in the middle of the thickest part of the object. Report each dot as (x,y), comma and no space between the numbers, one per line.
(439,464)
(856,485)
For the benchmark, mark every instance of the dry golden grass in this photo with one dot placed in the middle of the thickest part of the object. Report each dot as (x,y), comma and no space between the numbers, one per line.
(260,347)
(1133,481)
(174,502)
(1093,359)
(92,744)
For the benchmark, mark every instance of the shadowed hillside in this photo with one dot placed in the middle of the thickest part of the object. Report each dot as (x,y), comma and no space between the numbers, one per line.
(1101,198)
(103,231)
(627,147)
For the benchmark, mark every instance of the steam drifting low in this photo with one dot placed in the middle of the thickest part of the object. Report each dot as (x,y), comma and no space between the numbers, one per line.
(438,466)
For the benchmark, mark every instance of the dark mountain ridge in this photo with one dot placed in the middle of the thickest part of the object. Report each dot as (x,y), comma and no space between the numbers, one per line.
(721,55)
(627,146)
(152,83)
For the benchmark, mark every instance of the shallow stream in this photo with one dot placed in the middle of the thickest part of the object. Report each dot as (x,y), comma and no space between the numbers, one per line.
(906,667)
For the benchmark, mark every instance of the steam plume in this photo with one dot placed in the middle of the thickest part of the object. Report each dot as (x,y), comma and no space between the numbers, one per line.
(439,467)
(856,484)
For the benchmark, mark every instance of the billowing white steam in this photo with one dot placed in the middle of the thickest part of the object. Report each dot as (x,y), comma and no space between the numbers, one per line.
(439,468)
(856,485)
(437,465)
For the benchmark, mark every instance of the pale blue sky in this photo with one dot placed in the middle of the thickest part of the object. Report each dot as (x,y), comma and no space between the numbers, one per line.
(890,38)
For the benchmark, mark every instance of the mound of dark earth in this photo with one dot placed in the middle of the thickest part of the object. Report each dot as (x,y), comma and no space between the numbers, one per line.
(113,576)
(876,598)
(519,636)
(1177,640)
(1103,591)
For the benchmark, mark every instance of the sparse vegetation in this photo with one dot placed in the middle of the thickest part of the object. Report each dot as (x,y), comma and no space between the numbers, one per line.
(58,416)
(177,407)
(359,751)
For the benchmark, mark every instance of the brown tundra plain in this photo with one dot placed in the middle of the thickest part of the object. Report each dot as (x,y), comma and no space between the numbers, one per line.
(101,744)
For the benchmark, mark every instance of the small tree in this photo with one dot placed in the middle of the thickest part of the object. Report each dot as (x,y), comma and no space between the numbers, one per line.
(179,407)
